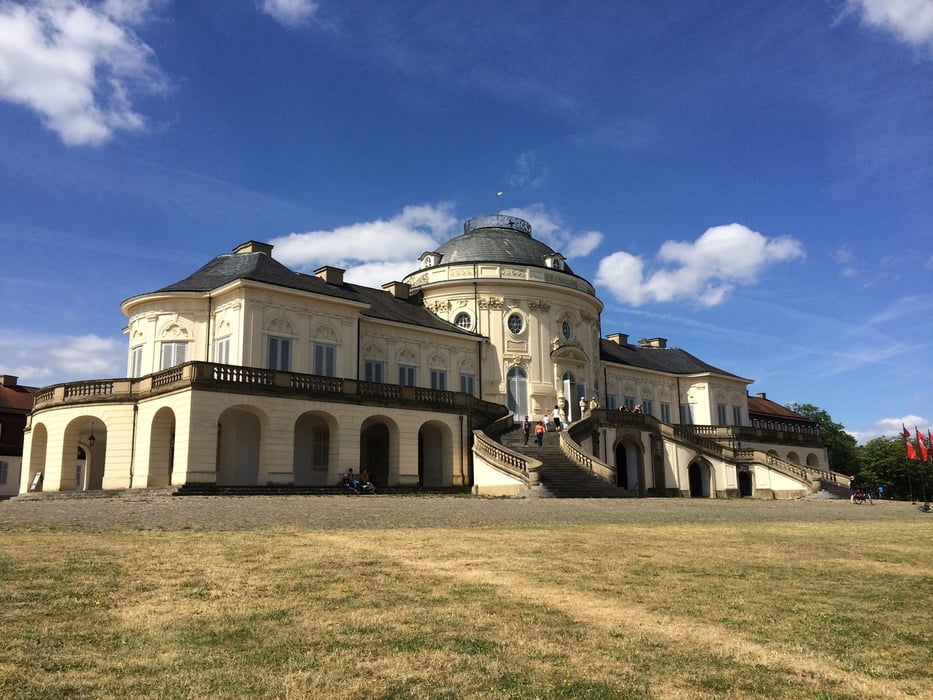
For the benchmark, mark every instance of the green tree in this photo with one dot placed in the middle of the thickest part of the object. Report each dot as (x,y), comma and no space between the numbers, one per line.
(884,463)
(842,447)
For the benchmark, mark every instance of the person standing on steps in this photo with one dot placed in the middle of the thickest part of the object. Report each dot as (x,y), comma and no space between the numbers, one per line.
(555,419)
(539,433)
(526,431)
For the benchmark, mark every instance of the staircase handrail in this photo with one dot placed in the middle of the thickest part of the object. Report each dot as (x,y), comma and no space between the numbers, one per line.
(503,459)
(574,451)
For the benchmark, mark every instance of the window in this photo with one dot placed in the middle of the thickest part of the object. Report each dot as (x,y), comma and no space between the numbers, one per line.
(629,402)
(686,414)
(222,351)
(374,371)
(516,323)
(4,469)
(280,353)
(320,441)
(463,320)
(467,383)
(325,360)
(136,361)
(647,407)
(611,402)
(665,412)
(439,379)
(173,354)
(720,414)
(406,375)
(737,415)
(567,330)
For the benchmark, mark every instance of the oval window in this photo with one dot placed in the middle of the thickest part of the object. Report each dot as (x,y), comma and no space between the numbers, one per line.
(516,323)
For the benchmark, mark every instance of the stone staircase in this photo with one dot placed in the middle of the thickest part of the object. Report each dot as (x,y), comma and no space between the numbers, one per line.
(558,476)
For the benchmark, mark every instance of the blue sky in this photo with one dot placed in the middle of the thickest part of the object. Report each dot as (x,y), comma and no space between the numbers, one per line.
(750,180)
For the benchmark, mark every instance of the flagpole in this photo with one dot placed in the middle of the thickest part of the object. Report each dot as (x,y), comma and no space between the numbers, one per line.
(909,484)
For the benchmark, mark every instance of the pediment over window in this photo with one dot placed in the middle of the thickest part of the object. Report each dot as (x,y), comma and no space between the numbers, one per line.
(569,353)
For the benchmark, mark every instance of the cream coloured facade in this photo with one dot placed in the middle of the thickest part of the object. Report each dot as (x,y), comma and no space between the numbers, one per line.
(249,374)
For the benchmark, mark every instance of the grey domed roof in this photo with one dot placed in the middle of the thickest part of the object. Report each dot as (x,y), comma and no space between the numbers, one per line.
(496,238)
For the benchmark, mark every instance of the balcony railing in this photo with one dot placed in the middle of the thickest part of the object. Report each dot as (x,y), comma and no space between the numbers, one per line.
(256,380)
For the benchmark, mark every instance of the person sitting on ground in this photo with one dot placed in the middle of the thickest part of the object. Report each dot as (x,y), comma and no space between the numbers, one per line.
(350,480)
(364,477)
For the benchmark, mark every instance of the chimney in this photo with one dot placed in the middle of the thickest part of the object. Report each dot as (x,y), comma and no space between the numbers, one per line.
(8,380)
(762,395)
(253,247)
(618,338)
(399,290)
(653,342)
(331,275)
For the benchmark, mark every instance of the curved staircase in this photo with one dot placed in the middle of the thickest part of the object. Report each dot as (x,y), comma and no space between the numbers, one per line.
(557,475)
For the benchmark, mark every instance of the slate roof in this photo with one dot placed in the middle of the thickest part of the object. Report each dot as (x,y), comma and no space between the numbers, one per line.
(496,244)
(260,267)
(670,360)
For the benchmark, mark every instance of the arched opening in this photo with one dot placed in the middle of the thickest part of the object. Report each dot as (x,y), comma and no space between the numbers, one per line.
(793,457)
(745,484)
(375,445)
(813,461)
(161,448)
(312,452)
(238,438)
(84,450)
(700,476)
(517,392)
(629,466)
(40,443)
(573,392)
(435,467)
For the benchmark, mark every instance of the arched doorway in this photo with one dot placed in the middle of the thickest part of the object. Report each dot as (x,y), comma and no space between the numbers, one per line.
(39,445)
(573,391)
(517,392)
(311,462)
(699,475)
(238,438)
(161,448)
(434,458)
(745,484)
(629,470)
(84,453)
(374,452)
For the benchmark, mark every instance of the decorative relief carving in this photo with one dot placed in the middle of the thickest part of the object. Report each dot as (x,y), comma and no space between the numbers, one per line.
(439,306)
(419,280)
(490,303)
(280,325)
(374,352)
(513,303)
(516,346)
(514,272)
(539,306)
(463,272)
(407,357)
(587,317)
(438,361)
(520,361)
(461,303)
(174,331)
(326,333)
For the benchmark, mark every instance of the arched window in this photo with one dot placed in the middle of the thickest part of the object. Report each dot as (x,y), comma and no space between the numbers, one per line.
(463,320)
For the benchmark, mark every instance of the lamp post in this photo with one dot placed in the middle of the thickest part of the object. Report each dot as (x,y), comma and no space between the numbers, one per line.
(91,440)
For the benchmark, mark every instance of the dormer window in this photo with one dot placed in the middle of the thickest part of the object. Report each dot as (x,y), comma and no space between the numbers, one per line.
(555,261)
(429,259)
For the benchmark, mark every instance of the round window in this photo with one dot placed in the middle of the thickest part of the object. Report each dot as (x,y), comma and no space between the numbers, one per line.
(516,323)
(463,320)
(567,330)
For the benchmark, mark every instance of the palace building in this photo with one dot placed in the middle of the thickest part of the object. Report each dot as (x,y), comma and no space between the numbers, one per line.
(249,374)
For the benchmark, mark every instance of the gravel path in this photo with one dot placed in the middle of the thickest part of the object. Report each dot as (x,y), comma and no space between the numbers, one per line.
(142,510)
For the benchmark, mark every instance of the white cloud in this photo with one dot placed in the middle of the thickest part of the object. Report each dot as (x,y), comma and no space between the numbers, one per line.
(706,270)
(550,229)
(526,173)
(76,65)
(384,246)
(44,360)
(910,21)
(290,12)
(889,427)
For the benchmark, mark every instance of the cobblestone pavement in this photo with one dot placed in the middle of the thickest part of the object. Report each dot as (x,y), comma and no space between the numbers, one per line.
(142,510)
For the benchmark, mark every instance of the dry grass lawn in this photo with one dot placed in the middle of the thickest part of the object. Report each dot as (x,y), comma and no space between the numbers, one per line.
(769,609)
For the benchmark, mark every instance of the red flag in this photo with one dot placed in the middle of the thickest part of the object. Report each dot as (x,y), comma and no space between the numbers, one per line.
(930,444)
(908,445)
(921,443)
